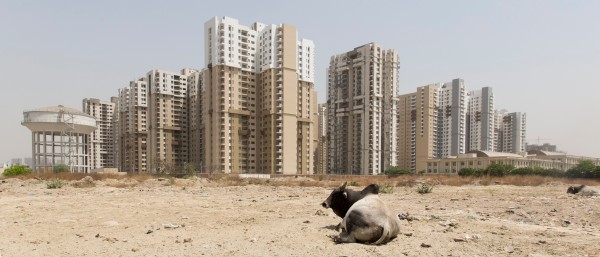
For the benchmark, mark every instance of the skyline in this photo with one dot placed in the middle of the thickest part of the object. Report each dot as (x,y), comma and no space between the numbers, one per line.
(90,50)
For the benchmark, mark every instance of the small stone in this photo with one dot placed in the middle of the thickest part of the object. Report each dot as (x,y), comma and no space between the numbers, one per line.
(542,242)
(134,250)
(408,234)
(253,240)
(79,235)
(458,239)
(424,245)
(187,240)
(97,235)
(306,221)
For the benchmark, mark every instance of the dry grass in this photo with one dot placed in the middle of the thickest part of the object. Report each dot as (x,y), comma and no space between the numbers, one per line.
(318,180)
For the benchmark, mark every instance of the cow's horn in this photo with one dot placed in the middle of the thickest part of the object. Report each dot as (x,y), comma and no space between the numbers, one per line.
(344,185)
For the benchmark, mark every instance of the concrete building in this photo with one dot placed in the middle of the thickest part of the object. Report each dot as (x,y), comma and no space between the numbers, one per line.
(103,141)
(196,129)
(480,120)
(452,113)
(258,100)
(321,152)
(362,100)
(417,127)
(482,159)
(513,131)
(59,135)
(542,147)
(133,127)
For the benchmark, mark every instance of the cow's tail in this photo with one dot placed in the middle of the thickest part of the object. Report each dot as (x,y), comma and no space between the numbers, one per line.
(385,234)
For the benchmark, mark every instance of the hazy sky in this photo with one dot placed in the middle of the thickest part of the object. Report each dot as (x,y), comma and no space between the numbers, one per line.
(541,57)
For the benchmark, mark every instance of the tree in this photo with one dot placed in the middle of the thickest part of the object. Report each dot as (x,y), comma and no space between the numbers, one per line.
(584,169)
(58,168)
(189,168)
(16,170)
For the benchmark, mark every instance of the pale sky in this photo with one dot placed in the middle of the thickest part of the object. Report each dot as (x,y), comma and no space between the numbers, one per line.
(540,57)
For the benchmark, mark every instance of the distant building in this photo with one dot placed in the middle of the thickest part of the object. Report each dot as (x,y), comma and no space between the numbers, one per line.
(417,127)
(259,103)
(482,159)
(544,147)
(452,114)
(321,152)
(103,144)
(480,120)
(513,129)
(362,102)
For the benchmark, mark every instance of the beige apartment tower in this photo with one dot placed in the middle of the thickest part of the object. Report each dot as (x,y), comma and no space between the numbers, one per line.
(362,99)
(133,127)
(321,152)
(258,99)
(103,141)
(417,127)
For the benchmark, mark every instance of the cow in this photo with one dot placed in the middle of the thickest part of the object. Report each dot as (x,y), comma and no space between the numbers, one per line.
(341,199)
(583,190)
(366,219)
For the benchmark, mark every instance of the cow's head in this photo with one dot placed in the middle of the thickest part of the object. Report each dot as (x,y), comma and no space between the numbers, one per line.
(574,190)
(337,197)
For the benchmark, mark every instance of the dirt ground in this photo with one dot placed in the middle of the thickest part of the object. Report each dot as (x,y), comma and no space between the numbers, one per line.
(193,217)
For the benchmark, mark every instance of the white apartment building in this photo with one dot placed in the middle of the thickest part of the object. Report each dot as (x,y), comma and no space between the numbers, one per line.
(513,131)
(480,120)
(258,99)
(452,126)
(362,101)
(103,141)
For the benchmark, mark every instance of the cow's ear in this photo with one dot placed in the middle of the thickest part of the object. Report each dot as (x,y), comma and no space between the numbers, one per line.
(343,186)
(345,194)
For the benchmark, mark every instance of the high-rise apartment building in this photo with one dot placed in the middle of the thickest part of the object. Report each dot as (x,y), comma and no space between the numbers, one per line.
(452,114)
(513,130)
(258,99)
(196,129)
(480,120)
(417,127)
(103,141)
(362,100)
(133,127)
(321,152)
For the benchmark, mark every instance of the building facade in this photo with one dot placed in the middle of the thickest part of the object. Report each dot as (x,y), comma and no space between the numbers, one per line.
(133,127)
(480,120)
(417,127)
(258,101)
(103,141)
(321,152)
(362,102)
(513,131)
(452,113)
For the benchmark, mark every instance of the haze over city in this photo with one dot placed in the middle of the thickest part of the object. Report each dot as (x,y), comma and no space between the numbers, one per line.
(541,57)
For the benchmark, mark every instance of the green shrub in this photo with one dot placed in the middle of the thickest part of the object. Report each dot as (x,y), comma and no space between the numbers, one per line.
(58,168)
(354,184)
(395,170)
(424,189)
(470,172)
(55,183)
(386,189)
(16,170)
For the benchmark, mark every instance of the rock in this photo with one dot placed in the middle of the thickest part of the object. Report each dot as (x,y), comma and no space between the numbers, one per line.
(306,221)
(253,240)
(424,245)
(168,225)
(320,213)
(79,235)
(565,223)
(408,234)
(134,250)
(542,242)
(458,239)
(187,240)
(87,179)
(97,235)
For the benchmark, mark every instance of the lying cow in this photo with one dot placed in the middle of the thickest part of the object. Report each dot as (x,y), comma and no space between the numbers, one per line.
(583,190)
(341,199)
(366,218)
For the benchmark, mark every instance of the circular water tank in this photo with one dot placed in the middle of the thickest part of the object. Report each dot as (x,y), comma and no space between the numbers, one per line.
(59,118)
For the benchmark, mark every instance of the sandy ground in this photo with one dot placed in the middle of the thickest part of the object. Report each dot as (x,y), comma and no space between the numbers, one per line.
(126,218)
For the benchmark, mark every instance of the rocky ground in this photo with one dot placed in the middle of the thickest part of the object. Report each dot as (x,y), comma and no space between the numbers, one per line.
(195,217)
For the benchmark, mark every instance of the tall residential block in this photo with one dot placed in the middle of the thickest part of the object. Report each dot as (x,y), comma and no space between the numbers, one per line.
(258,101)
(321,152)
(480,120)
(196,129)
(361,108)
(133,127)
(513,130)
(417,127)
(452,114)
(103,141)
